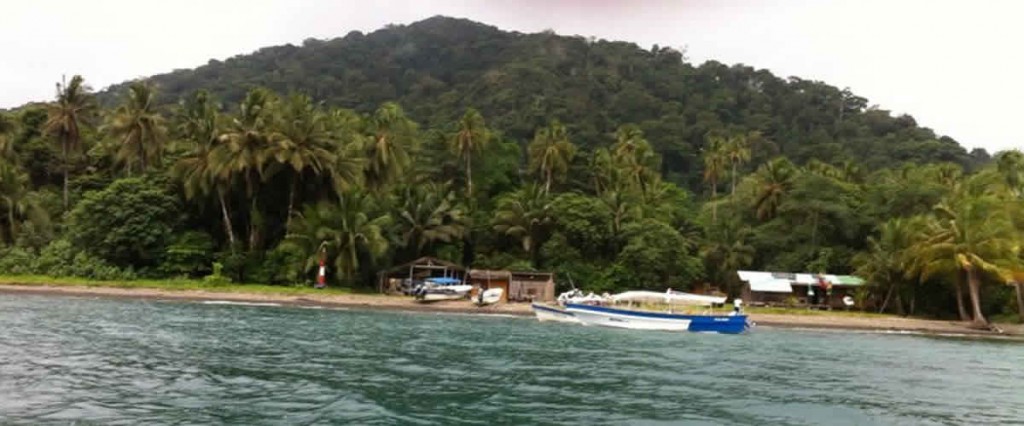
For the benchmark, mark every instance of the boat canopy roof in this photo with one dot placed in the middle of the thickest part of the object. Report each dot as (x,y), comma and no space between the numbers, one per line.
(443,280)
(667,297)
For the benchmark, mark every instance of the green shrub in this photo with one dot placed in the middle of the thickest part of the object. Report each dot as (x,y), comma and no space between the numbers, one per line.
(189,255)
(216,277)
(16,261)
(128,223)
(60,259)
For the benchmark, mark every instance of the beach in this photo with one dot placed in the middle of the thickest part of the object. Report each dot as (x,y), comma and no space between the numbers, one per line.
(833,321)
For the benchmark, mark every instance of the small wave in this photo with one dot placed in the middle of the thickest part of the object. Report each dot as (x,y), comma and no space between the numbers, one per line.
(231,302)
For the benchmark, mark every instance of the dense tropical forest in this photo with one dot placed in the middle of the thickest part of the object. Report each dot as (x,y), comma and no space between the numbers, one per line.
(620,166)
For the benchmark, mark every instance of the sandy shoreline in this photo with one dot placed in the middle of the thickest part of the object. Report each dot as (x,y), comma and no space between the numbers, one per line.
(364,301)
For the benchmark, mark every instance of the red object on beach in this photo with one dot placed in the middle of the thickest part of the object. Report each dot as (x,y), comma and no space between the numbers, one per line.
(321,276)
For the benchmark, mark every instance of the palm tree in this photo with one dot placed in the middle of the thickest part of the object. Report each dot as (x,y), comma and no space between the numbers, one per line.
(16,200)
(728,250)
(244,149)
(6,144)
(387,145)
(737,151)
(550,153)
(634,156)
(714,167)
(65,118)
(774,180)
(971,233)
(526,216)
(139,127)
(199,126)
(301,143)
(469,140)
(886,263)
(348,230)
(428,214)
(1011,166)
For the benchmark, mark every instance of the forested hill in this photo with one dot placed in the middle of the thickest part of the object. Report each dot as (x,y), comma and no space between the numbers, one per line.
(438,67)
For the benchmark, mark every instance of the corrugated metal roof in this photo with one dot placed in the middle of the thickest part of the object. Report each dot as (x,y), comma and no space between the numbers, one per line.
(771,286)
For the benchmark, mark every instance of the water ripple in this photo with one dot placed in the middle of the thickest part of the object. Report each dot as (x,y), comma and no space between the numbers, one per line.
(65,359)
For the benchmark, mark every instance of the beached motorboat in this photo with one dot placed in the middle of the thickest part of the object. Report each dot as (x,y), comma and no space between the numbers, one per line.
(489,296)
(649,310)
(438,289)
(551,312)
(558,313)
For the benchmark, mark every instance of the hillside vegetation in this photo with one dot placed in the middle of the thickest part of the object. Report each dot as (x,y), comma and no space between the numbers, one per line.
(624,167)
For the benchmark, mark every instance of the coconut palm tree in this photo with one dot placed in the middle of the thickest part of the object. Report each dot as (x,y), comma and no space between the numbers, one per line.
(526,216)
(387,145)
(736,151)
(634,156)
(971,233)
(886,262)
(714,166)
(1011,166)
(16,200)
(550,153)
(65,117)
(6,143)
(469,140)
(727,250)
(427,214)
(349,230)
(774,180)
(244,149)
(139,128)
(301,143)
(199,126)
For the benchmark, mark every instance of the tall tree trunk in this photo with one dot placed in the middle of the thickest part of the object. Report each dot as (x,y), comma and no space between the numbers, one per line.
(958,289)
(547,183)
(227,220)
(888,297)
(469,176)
(10,220)
(714,205)
(67,166)
(1020,300)
(733,179)
(974,287)
(291,202)
(253,226)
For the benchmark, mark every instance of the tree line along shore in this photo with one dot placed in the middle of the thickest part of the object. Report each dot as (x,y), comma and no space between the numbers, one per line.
(127,185)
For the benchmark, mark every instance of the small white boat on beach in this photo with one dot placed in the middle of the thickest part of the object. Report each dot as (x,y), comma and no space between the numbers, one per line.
(489,297)
(438,289)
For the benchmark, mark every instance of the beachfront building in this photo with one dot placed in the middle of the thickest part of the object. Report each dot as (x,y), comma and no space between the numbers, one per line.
(529,286)
(518,286)
(799,289)
(403,278)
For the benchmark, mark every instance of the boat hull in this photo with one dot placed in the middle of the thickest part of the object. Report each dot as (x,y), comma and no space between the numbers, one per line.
(645,320)
(546,313)
(489,297)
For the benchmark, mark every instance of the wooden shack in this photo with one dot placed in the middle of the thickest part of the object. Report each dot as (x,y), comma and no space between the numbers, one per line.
(403,278)
(484,279)
(528,286)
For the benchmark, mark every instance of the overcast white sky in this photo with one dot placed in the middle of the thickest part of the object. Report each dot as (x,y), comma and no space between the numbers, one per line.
(955,66)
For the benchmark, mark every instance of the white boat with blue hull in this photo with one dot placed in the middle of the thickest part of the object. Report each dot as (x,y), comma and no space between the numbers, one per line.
(644,319)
